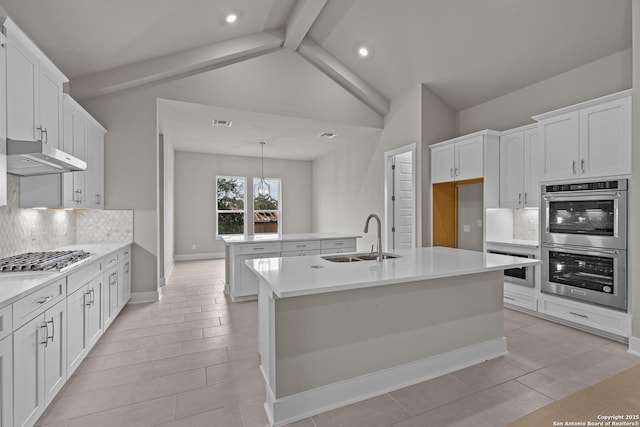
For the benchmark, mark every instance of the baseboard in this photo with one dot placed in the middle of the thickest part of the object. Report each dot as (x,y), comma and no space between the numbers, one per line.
(140,297)
(302,405)
(634,345)
(200,256)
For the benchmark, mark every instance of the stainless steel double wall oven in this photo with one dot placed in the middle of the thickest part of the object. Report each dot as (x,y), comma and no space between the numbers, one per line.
(584,241)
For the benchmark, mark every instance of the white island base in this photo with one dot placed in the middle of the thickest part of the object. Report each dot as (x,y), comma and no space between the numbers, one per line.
(326,350)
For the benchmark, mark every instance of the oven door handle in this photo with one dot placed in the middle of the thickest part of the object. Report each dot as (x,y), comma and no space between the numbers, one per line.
(553,196)
(562,248)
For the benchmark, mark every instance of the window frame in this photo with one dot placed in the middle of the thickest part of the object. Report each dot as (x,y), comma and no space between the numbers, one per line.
(244,211)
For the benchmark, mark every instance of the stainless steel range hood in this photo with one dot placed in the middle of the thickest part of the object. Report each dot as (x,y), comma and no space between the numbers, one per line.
(28,158)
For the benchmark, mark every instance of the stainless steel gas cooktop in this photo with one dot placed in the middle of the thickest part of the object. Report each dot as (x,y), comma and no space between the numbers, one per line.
(42,261)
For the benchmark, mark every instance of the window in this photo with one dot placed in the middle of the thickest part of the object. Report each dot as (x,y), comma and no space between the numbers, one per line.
(231,205)
(266,206)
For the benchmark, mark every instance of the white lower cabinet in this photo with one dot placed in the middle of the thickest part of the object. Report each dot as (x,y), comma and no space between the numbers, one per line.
(6,382)
(124,276)
(84,313)
(338,246)
(39,361)
(520,296)
(247,282)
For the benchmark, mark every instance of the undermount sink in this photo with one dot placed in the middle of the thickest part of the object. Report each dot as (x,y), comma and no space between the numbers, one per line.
(358,257)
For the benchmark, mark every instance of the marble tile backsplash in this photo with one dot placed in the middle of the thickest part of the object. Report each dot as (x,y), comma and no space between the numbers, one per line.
(525,224)
(26,230)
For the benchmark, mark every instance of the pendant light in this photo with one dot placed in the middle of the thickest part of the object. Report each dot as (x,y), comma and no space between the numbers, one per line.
(262,188)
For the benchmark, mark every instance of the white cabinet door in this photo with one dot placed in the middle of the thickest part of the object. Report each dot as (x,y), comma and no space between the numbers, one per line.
(559,139)
(247,283)
(95,167)
(22,92)
(605,139)
(28,366)
(50,107)
(532,168)
(125,285)
(55,351)
(93,314)
(109,295)
(469,159)
(511,173)
(6,382)
(3,125)
(76,336)
(442,163)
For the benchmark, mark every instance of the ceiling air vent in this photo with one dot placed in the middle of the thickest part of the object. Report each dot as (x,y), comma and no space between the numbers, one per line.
(327,135)
(221,123)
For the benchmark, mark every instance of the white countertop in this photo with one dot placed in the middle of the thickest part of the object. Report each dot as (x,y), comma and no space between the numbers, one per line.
(14,286)
(308,275)
(240,239)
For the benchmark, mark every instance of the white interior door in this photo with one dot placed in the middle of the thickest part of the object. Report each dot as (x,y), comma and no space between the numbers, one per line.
(401,200)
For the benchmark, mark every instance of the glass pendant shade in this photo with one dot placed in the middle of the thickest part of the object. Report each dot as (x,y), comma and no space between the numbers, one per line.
(263,189)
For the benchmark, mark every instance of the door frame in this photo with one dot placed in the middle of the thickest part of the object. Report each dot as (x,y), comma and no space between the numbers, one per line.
(388,182)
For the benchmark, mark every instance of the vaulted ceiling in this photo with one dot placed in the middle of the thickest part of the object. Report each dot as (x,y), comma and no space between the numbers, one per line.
(466,51)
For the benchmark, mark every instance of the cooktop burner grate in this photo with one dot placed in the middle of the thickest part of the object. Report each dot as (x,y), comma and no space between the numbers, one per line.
(42,261)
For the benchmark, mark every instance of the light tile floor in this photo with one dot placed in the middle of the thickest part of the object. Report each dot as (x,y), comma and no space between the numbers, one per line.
(191,360)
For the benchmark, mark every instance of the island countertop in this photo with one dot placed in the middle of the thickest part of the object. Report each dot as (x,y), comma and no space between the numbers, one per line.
(297,276)
(264,238)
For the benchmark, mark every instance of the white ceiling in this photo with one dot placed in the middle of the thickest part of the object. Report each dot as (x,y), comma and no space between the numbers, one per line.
(189,126)
(465,51)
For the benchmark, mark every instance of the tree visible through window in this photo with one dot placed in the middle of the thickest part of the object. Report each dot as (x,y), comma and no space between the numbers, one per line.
(266,207)
(230,207)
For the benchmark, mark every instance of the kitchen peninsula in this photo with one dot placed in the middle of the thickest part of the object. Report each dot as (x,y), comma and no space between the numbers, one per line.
(333,333)
(243,284)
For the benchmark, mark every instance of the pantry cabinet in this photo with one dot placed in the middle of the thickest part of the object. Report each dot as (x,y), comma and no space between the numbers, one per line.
(588,140)
(34,91)
(519,168)
(462,158)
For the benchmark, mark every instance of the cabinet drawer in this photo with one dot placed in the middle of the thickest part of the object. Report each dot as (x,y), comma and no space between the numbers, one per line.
(81,277)
(26,308)
(109,261)
(6,321)
(520,300)
(124,253)
(301,253)
(300,246)
(258,249)
(338,244)
(594,318)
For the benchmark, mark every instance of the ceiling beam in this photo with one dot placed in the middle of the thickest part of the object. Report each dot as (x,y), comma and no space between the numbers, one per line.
(342,75)
(303,15)
(177,65)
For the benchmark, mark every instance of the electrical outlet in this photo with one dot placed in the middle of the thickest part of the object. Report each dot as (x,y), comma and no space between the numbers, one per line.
(193,247)
(479,223)
(34,231)
(533,225)
(466,228)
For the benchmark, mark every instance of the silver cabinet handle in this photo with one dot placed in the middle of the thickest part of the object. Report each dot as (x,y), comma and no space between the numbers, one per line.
(46,334)
(451,172)
(126,268)
(519,198)
(41,133)
(45,300)
(455,171)
(87,294)
(301,246)
(579,315)
(258,249)
(525,198)
(53,330)
(582,165)
(46,135)
(573,166)
(508,298)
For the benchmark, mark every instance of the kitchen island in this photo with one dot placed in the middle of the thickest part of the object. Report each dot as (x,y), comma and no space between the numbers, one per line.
(333,333)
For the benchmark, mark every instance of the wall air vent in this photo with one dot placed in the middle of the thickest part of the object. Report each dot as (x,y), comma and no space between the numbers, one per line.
(221,123)
(327,135)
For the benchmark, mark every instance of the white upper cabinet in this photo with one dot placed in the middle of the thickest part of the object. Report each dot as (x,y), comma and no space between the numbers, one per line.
(460,158)
(75,143)
(590,140)
(34,91)
(519,168)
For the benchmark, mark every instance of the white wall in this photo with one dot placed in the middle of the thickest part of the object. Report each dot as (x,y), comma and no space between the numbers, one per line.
(348,184)
(634,188)
(168,234)
(195,195)
(278,83)
(602,77)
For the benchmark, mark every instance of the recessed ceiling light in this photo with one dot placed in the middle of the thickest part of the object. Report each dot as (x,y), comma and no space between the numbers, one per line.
(221,123)
(363,51)
(231,18)
(327,135)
